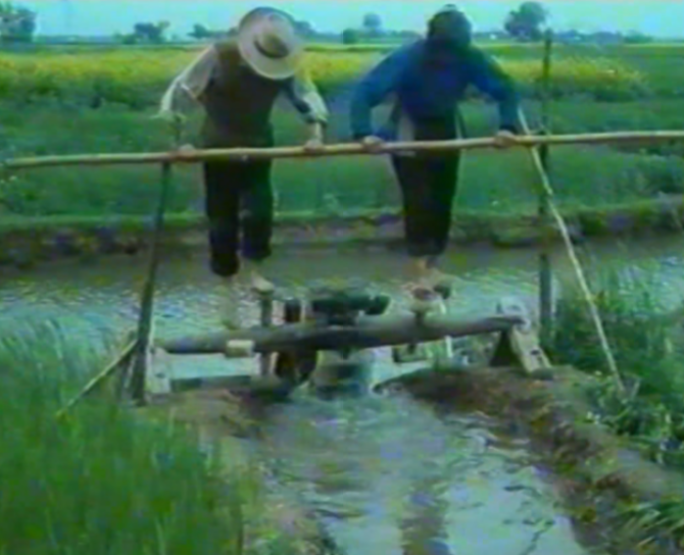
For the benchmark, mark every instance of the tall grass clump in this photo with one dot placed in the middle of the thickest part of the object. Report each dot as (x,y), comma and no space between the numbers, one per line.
(643,339)
(102,480)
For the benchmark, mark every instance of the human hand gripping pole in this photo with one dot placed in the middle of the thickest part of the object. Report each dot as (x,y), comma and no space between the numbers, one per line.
(505,139)
(372,143)
(315,142)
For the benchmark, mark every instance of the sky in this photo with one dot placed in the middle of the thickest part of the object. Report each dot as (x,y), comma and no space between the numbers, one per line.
(660,18)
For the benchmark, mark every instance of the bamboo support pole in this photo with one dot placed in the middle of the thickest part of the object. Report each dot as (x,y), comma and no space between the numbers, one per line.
(120,360)
(350,149)
(545,271)
(140,363)
(545,185)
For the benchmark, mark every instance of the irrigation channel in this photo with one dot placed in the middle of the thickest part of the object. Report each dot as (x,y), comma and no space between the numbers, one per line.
(386,474)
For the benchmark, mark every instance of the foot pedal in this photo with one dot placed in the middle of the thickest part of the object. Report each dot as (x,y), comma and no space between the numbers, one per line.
(435,352)
(405,354)
(443,290)
(263,290)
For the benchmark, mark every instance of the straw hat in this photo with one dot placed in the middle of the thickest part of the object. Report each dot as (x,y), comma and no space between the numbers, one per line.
(268,43)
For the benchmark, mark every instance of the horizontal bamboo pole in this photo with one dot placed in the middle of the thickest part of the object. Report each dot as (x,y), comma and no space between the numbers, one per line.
(350,149)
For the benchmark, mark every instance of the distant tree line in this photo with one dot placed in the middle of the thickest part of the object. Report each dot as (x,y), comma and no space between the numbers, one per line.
(17,24)
(526,23)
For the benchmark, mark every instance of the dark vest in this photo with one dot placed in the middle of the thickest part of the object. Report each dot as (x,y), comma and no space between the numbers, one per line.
(238,104)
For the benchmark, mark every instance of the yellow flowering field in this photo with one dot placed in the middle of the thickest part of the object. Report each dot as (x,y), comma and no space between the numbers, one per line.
(137,77)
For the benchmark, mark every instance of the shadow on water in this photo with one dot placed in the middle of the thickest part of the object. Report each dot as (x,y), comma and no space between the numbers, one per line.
(387,475)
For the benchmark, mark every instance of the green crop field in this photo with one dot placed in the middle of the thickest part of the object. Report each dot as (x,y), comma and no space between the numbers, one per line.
(103,99)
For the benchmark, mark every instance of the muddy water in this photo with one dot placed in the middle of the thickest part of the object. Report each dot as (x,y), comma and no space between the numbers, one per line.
(385,474)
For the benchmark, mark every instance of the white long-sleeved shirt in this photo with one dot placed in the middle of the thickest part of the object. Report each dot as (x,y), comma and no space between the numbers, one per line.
(190,84)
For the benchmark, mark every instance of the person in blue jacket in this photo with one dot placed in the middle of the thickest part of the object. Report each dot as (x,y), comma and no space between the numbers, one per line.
(427,79)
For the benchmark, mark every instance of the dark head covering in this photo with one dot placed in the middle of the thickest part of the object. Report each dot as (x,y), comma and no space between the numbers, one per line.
(449,29)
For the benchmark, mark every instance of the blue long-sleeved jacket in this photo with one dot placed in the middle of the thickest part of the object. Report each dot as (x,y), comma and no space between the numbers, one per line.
(428,91)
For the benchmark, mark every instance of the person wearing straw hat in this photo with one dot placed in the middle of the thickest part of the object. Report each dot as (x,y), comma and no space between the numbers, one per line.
(427,80)
(237,82)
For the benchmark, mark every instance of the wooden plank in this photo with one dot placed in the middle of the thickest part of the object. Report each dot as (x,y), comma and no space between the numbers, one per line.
(523,339)
(525,344)
(158,373)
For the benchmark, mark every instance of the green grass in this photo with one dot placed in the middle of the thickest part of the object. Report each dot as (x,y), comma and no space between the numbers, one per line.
(102,481)
(646,344)
(490,181)
(644,341)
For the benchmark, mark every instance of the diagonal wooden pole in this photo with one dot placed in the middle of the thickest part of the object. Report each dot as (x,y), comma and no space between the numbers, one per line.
(545,186)
(121,360)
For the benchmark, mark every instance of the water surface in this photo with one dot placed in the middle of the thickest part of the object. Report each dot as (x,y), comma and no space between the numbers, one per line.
(387,475)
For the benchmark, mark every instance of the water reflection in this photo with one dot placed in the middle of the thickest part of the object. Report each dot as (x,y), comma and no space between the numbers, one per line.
(386,475)
(424,529)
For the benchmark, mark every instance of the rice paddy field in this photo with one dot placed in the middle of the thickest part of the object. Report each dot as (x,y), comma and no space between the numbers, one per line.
(88,100)
(103,482)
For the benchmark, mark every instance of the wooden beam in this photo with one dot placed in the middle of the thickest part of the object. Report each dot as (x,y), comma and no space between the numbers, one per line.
(520,345)
(350,149)
(370,332)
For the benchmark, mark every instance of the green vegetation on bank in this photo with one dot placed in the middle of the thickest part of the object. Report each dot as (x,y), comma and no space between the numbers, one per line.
(646,338)
(645,334)
(75,121)
(646,341)
(104,480)
(137,77)
(490,181)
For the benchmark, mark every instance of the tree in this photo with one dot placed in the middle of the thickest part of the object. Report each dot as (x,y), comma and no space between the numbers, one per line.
(635,37)
(154,33)
(305,29)
(350,36)
(526,22)
(372,24)
(199,32)
(17,24)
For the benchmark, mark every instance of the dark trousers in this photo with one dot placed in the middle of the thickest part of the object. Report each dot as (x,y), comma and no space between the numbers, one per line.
(428,184)
(239,207)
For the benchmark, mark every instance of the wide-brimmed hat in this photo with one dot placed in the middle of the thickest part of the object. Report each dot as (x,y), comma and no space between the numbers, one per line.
(268,43)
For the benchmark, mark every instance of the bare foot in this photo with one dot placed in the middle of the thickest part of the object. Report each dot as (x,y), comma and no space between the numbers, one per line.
(261,285)
(424,300)
(228,314)
(436,278)
(229,306)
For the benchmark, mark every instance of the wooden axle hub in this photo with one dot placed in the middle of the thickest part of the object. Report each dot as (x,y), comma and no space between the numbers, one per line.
(368,332)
